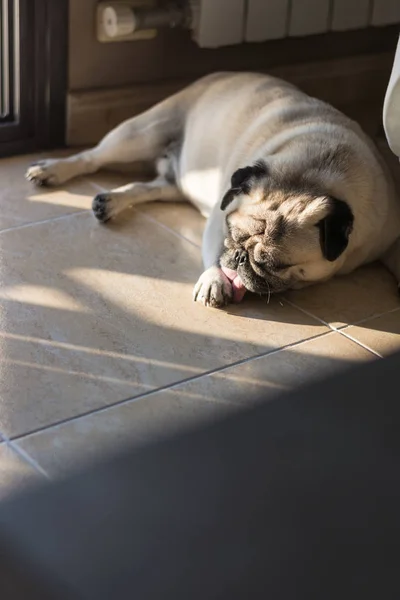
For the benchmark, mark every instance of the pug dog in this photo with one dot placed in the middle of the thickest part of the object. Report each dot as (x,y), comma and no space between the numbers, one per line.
(293,191)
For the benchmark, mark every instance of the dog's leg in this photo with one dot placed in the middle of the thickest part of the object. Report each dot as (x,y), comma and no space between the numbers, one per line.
(392,260)
(213,288)
(142,138)
(108,205)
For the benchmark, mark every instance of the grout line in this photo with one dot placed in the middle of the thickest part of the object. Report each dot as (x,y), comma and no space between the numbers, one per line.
(309,314)
(343,327)
(148,217)
(44,221)
(169,387)
(28,458)
(341,330)
(175,233)
(355,341)
(25,456)
(97,187)
(371,318)
(100,189)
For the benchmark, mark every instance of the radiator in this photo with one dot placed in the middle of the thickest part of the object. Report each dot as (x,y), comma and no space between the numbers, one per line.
(225,22)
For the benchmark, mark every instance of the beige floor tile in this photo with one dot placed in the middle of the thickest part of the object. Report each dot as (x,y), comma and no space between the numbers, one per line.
(95,314)
(69,445)
(182,218)
(381,334)
(81,441)
(21,202)
(15,473)
(278,372)
(342,301)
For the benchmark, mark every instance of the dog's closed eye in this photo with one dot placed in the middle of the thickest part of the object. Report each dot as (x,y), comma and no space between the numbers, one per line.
(282,266)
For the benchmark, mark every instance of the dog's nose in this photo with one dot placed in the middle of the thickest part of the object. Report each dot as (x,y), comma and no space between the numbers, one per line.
(240,257)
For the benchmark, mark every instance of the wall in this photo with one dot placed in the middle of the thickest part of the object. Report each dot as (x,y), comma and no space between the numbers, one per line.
(172,55)
(94,65)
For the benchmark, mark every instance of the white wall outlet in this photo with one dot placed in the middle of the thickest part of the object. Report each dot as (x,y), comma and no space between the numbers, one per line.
(116,23)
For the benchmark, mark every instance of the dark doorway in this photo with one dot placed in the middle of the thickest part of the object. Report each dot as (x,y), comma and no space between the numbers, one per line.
(33,74)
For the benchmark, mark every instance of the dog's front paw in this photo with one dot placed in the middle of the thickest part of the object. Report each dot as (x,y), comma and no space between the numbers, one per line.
(44,173)
(213,289)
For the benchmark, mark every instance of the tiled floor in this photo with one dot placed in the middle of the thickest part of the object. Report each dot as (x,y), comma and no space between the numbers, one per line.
(102,344)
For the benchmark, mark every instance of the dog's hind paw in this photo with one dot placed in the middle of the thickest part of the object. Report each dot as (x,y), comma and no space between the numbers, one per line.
(102,207)
(43,173)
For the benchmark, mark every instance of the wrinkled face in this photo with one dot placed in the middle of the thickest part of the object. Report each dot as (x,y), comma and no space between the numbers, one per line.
(281,237)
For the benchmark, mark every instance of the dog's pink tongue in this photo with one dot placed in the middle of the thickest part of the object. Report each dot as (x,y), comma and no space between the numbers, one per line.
(237,284)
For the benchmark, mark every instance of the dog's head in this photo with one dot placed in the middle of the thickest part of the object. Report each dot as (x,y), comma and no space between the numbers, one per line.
(284,233)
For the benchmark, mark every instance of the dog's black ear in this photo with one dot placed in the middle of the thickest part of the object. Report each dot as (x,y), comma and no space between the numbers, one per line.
(335,229)
(242,180)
